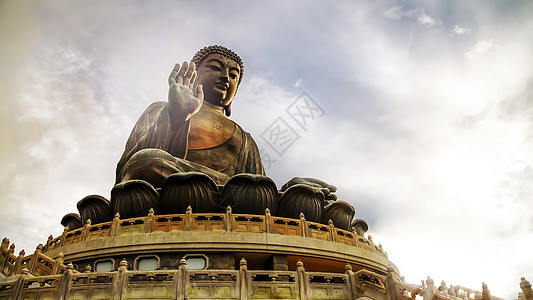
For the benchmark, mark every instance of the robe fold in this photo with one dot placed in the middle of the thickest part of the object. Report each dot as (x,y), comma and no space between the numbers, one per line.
(153,130)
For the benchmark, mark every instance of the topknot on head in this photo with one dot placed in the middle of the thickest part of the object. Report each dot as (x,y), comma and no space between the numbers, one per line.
(203,53)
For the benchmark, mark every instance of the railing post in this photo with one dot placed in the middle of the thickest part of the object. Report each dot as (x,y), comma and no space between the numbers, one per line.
(229,219)
(243,279)
(120,281)
(303,225)
(332,230)
(268,221)
(47,245)
(391,285)
(18,287)
(18,262)
(188,219)
(7,252)
(351,280)
(114,225)
(182,279)
(301,278)
(85,231)
(63,236)
(64,283)
(35,257)
(355,237)
(148,221)
(57,263)
(525,286)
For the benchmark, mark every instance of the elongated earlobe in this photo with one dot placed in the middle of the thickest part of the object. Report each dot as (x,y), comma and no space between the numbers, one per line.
(227,110)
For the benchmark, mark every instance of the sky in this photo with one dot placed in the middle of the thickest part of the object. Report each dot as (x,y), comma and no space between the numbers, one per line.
(420,112)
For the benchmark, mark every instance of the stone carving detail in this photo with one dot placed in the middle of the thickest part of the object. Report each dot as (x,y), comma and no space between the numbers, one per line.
(72,221)
(340,212)
(360,227)
(96,208)
(193,189)
(250,193)
(302,198)
(134,198)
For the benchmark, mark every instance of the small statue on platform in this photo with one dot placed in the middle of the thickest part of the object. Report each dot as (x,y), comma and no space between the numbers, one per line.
(187,152)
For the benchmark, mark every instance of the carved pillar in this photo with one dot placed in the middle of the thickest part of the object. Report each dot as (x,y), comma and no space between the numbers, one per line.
(148,221)
(63,236)
(182,279)
(35,257)
(47,245)
(527,292)
(120,281)
(16,291)
(268,221)
(85,231)
(351,281)
(243,279)
(301,279)
(229,219)
(18,262)
(188,219)
(57,263)
(115,225)
(391,285)
(331,230)
(485,291)
(64,283)
(303,225)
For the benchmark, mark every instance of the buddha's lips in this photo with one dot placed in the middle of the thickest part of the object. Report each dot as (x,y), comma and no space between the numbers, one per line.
(221,86)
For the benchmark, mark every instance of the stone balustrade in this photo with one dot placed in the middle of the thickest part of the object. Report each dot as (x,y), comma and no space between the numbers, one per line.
(197,284)
(214,222)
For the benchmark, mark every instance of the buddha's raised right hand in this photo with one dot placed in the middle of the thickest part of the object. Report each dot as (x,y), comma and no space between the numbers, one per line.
(183,99)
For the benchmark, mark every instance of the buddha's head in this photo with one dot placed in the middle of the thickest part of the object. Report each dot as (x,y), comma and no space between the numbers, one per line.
(220,72)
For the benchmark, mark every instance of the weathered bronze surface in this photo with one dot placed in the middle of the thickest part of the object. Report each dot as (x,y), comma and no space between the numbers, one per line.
(187,152)
(191,130)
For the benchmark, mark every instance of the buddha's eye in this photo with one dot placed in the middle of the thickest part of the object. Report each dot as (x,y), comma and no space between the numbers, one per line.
(233,75)
(213,67)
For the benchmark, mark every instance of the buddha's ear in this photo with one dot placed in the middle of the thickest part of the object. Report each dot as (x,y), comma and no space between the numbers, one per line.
(227,110)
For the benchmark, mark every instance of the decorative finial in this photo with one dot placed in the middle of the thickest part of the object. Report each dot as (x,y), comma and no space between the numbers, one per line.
(299,264)
(151,211)
(39,247)
(228,209)
(348,267)
(302,216)
(330,222)
(267,211)
(70,266)
(66,229)
(123,265)
(88,269)
(61,254)
(189,209)
(22,252)
(117,216)
(243,262)
(25,271)
(183,261)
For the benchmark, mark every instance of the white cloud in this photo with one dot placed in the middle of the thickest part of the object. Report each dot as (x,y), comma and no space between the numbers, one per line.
(419,14)
(482,49)
(461,30)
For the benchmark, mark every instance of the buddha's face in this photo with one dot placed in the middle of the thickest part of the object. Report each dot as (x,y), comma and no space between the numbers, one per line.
(219,76)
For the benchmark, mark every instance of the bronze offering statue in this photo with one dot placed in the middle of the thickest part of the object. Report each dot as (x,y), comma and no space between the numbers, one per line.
(187,152)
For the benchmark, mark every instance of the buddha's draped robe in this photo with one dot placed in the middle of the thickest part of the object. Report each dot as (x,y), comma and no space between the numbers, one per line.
(155,150)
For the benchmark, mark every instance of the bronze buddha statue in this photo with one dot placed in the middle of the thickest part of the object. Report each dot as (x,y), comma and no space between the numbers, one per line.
(187,152)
